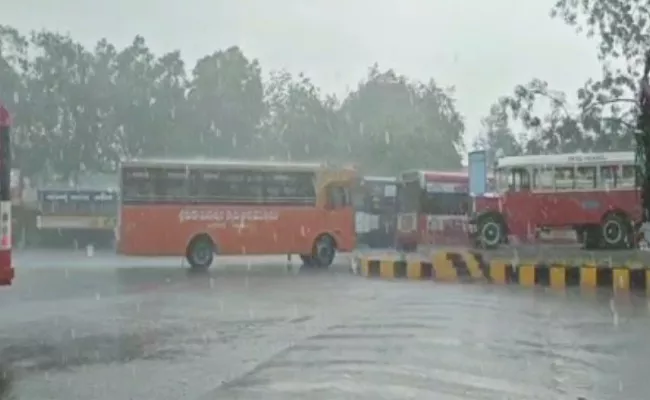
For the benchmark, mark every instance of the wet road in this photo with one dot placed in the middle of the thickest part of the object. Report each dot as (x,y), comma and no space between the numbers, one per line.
(116,328)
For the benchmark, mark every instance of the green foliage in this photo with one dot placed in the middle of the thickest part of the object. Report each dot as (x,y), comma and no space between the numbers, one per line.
(602,114)
(78,110)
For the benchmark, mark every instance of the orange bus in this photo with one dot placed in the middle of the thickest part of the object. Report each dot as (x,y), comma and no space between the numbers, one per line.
(198,208)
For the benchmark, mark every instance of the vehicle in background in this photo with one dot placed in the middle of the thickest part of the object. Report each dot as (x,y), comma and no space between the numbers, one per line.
(81,216)
(432,209)
(198,208)
(376,209)
(589,198)
(6,268)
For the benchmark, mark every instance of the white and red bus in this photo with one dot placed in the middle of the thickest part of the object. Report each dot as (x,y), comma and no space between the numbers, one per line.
(6,269)
(585,198)
(198,208)
(432,209)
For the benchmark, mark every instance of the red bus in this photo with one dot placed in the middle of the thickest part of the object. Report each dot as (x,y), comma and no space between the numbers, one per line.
(198,208)
(6,269)
(591,199)
(432,209)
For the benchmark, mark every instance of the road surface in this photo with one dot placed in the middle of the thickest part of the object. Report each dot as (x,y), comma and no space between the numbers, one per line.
(116,328)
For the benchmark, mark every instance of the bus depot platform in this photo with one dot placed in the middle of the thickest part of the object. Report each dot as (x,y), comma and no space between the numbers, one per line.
(462,265)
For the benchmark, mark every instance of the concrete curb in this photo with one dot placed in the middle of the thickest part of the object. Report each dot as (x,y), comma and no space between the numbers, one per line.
(454,266)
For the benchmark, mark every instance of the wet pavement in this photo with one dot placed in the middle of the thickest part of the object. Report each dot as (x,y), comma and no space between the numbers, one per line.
(119,328)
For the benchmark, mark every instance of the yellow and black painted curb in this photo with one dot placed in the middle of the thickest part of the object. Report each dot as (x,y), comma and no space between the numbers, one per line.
(466,266)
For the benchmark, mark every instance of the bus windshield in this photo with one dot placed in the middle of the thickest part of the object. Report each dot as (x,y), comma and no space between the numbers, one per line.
(413,198)
(408,197)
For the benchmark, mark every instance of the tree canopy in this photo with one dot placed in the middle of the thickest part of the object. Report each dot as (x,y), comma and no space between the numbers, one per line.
(601,115)
(78,110)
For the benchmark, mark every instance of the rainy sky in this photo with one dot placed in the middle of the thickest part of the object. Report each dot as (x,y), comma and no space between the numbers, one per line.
(483,48)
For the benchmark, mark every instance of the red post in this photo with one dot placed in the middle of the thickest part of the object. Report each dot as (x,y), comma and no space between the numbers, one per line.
(6,269)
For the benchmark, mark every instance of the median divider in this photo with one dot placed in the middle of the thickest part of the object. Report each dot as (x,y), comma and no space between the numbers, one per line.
(455,266)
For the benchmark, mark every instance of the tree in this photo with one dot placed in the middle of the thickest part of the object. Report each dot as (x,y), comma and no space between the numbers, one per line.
(395,124)
(497,138)
(227,104)
(300,124)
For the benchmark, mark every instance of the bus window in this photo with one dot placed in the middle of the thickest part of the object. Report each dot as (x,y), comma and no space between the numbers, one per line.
(137,185)
(337,197)
(627,179)
(521,179)
(445,203)
(586,178)
(564,178)
(607,177)
(543,178)
(290,188)
(172,184)
(502,179)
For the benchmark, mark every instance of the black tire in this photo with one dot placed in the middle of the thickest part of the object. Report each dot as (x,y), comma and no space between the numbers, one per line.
(616,232)
(200,253)
(490,232)
(323,252)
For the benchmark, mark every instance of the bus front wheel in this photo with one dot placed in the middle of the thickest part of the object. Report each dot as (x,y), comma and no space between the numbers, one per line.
(490,232)
(322,253)
(200,252)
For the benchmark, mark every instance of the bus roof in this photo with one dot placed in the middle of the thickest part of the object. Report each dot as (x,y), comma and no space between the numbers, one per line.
(618,157)
(222,164)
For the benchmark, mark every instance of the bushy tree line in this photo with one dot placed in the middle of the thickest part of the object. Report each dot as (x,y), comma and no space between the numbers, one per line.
(601,114)
(78,109)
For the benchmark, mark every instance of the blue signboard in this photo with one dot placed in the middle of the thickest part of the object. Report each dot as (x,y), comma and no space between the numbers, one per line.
(477,167)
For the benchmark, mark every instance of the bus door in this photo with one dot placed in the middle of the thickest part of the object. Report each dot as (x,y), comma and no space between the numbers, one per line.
(341,218)
(520,206)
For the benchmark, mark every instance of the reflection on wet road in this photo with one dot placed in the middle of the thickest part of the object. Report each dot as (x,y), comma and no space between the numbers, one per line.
(254,330)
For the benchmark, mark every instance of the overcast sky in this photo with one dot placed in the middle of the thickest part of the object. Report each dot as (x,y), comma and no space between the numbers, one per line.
(483,48)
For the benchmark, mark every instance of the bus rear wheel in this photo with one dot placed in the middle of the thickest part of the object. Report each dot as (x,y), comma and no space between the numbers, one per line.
(322,253)
(200,252)
(616,232)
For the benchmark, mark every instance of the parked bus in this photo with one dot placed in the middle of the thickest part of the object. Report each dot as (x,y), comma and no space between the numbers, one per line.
(196,208)
(590,198)
(376,208)
(432,209)
(82,216)
(6,268)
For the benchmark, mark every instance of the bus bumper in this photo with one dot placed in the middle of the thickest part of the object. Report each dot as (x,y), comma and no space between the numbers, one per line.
(6,270)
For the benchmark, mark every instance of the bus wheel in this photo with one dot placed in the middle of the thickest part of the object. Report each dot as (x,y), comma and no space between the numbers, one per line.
(490,232)
(200,252)
(615,232)
(323,251)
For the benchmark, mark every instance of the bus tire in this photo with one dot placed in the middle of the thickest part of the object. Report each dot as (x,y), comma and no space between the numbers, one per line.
(323,251)
(490,232)
(616,231)
(200,252)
